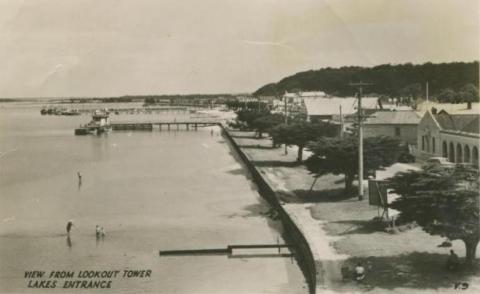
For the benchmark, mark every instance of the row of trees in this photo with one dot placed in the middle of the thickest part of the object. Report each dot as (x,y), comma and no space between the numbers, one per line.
(340,156)
(300,133)
(258,120)
(250,105)
(331,154)
(443,202)
(467,93)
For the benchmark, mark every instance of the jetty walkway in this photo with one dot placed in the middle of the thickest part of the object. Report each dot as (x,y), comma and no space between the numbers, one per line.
(168,125)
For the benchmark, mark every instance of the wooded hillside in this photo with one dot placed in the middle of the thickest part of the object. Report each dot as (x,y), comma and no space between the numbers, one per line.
(390,80)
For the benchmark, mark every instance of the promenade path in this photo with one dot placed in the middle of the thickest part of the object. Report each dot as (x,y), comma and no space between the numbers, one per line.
(338,231)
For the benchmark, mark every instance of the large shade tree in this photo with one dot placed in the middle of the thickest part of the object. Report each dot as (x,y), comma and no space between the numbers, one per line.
(246,117)
(469,94)
(340,155)
(443,202)
(300,133)
(266,122)
(447,96)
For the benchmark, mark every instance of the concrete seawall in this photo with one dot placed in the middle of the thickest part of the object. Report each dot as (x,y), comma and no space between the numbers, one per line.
(293,234)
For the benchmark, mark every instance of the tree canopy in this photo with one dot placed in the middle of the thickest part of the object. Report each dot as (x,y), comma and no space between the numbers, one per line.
(443,201)
(447,95)
(469,94)
(245,117)
(392,80)
(340,155)
(466,94)
(249,105)
(258,120)
(266,122)
(300,133)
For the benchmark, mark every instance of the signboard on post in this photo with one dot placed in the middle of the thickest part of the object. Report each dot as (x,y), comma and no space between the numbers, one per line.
(377,192)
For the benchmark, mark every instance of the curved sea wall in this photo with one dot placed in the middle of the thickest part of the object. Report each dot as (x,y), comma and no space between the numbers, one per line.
(293,234)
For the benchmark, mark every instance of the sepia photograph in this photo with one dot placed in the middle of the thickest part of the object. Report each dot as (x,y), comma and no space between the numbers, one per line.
(239,146)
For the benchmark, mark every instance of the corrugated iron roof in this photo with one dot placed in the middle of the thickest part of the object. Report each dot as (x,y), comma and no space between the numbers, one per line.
(311,94)
(452,108)
(331,105)
(393,117)
(468,123)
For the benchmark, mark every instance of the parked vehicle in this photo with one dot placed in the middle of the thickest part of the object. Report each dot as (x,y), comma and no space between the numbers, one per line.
(406,158)
(435,162)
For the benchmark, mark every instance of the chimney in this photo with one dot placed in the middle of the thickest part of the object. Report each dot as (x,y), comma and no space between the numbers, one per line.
(434,110)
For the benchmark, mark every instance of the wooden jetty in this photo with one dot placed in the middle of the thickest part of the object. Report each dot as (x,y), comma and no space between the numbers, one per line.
(228,250)
(149,126)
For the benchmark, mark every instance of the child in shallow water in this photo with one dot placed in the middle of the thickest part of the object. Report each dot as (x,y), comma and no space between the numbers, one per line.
(97,231)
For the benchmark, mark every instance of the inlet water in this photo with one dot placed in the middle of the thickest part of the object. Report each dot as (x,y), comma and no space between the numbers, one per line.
(149,190)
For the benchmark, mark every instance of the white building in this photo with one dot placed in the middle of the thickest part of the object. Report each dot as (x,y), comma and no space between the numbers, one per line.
(397,124)
(453,136)
(330,108)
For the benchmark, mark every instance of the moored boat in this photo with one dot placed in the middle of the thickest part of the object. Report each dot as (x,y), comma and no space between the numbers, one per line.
(71,112)
(99,124)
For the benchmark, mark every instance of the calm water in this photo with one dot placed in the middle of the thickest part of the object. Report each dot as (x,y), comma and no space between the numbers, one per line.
(150,190)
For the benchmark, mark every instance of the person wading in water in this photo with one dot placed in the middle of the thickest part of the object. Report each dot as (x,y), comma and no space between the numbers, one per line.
(69,226)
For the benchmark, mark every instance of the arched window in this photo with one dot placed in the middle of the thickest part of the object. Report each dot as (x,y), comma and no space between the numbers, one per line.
(475,156)
(451,153)
(459,153)
(433,145)
(423,143)
(466,154)
(445,149)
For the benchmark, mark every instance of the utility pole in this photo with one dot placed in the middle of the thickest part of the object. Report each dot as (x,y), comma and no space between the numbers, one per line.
(341,122)
(360,86)
(426,88)
(286,117)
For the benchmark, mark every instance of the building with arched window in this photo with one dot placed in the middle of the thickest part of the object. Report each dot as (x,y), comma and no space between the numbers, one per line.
(453,136)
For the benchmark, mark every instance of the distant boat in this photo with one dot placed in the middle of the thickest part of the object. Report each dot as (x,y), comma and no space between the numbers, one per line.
(59,111)
(71,112)
(99,124)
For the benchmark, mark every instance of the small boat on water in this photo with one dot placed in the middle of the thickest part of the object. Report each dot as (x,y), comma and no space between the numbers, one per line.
(71,112)
(59,111)
(99,124)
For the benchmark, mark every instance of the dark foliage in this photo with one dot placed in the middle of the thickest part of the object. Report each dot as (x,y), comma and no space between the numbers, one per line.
(266,122)
(443,201)
(403,80)
(258,120)
(299,133)
(340,155)
(250,105)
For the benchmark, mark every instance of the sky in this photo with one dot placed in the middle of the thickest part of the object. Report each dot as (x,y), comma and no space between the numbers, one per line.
(103,48)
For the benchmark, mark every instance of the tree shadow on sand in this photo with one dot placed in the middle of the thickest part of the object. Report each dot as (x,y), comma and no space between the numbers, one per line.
(258,146)
(360,226)
(275,163)
(245,134)
(417,270)
(331,195)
